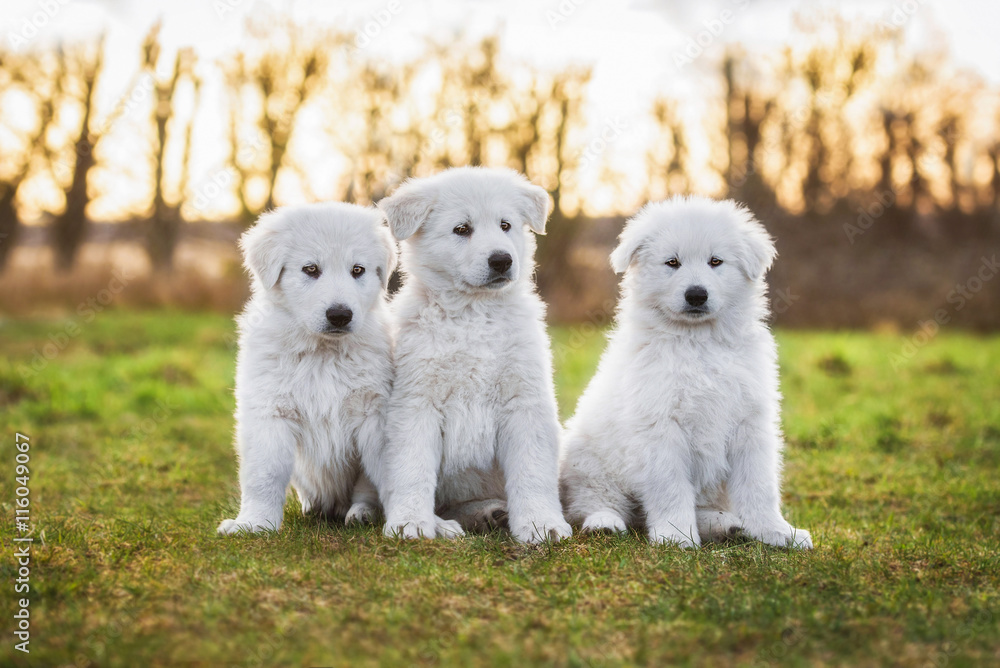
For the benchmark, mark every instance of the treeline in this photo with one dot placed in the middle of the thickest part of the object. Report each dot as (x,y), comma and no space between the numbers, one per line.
(847,127)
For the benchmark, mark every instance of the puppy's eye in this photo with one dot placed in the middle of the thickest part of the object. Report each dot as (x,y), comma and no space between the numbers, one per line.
(504,225)
(358,271)
(714,262)
(311,270)
(673,262)
(462,230)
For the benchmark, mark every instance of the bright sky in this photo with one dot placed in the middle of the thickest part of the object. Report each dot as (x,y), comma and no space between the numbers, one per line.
(633,45)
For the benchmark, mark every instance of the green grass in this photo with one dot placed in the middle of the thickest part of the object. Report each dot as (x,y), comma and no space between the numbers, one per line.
(132,467)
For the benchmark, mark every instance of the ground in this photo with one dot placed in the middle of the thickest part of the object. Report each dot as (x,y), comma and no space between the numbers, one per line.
(892,460)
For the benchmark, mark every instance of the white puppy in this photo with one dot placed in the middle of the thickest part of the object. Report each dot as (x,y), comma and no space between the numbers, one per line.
(679,429)
(472,427)
(314,369)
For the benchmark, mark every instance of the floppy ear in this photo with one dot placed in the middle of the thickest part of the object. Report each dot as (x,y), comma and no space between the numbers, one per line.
(391,254)
(407,209)
(629,243)
(535,207)
(261,250)
(755,251)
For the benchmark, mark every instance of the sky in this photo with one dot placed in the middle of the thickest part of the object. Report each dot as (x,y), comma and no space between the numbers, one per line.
(637,47)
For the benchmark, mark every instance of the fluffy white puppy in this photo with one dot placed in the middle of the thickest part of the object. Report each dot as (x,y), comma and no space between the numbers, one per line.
(472,428)
(679,429)
(314,369)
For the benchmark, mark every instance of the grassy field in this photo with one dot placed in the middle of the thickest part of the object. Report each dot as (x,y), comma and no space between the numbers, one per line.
(895,471)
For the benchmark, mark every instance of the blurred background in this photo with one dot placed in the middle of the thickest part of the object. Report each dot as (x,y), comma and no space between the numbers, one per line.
(138,139)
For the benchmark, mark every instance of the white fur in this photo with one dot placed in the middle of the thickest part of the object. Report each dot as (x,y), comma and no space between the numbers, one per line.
(310,402)
(679,429)
(472,428)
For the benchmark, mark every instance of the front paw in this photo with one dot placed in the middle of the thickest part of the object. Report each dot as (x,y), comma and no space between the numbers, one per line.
(784,535)
(247,525)
(670,535)
(361,513)
(542,530)
(604,521)
(411,529)
(447,528)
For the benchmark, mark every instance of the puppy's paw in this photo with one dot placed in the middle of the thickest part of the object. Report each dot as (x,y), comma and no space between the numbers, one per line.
(718,525)
(540,531)
(492,516)
(605,521)
(783,536)
(361,513)
(246,525)
(447,528)
(672,536)
(410,529)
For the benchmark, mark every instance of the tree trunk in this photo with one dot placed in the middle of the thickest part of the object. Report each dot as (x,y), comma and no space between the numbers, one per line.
(9,225)
(69,227)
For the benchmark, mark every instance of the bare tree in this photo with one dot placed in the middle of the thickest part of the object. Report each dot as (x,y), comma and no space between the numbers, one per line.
(165,223)
(281,74)
(81,68)
(34,77)
(667,159)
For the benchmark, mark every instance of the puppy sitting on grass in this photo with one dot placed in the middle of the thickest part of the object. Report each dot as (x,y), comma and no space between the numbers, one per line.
(679,429)
(314,369)
(472,430)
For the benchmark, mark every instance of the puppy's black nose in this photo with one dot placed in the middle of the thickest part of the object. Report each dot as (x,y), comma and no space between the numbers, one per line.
(696,296)
(500,262)
(339,316)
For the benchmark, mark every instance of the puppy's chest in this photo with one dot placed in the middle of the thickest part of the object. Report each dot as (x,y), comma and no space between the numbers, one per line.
(462,363)
(703,389)
(325,394)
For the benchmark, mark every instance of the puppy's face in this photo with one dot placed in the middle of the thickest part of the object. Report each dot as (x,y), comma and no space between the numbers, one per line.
(468,229)
(693,259)
(326,264)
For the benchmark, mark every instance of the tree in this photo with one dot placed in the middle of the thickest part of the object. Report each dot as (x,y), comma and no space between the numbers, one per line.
(81,69)
(269,85)
(35,80)
(164,225)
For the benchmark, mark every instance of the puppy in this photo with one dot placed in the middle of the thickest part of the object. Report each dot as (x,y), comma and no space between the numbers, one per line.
(314,369)
(472,428)
(679,429)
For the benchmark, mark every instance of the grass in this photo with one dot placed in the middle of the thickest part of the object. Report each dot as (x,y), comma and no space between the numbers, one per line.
(132,467)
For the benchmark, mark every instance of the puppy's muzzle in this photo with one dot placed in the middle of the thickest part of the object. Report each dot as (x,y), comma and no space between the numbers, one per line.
(500,263)
(695,298)
(339,317)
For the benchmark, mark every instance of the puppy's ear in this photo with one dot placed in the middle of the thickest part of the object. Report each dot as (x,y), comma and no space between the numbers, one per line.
(407,209)
(391,254)
(535,207)
(262,250)
(629,243)
(755,251)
